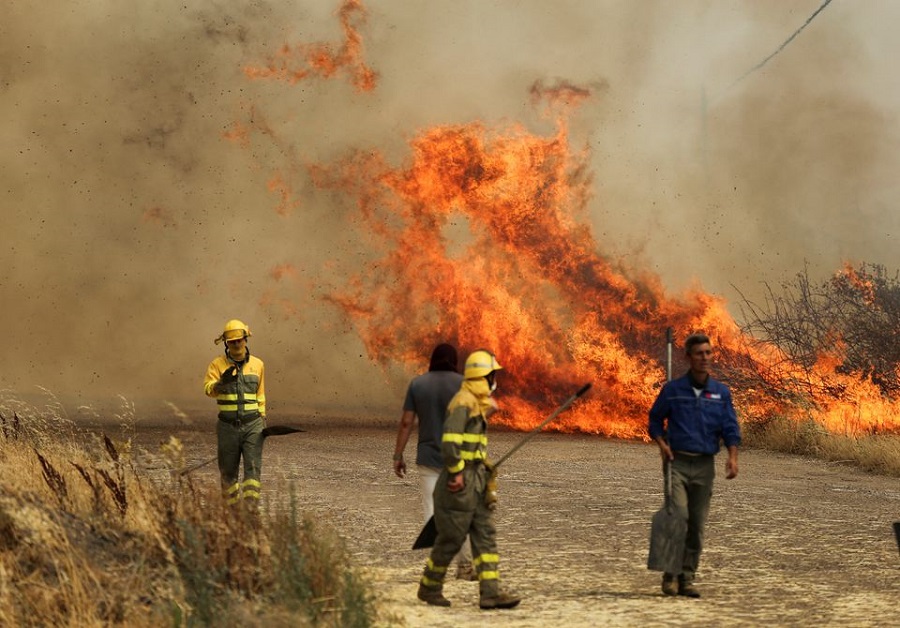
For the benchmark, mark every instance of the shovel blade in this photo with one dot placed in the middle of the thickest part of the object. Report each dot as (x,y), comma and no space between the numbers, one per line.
(427,536)
(280,430)
(667,533)
(897,533)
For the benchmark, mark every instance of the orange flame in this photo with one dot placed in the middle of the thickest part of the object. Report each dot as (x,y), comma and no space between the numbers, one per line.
(298,63)
(525,279)
(861,285)
(485,243)
(522,278)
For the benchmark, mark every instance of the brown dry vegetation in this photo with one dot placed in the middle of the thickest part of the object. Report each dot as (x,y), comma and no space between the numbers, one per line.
(98,530)
(88,539)
(854,314)
(877,453)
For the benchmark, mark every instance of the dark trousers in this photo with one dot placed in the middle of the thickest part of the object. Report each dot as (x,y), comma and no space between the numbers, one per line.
(236,441)
(455,516)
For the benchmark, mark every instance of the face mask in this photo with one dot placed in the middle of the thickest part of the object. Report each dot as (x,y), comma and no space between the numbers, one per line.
(238,354)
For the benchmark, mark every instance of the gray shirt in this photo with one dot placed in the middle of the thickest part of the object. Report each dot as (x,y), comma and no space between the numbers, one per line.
(428,396)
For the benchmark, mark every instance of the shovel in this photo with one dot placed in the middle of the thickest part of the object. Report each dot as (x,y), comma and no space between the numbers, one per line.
(428,534)
(667,533)
(273,430)
(667,528)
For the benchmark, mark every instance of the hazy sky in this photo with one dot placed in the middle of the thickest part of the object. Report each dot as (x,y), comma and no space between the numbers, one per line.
(134,229)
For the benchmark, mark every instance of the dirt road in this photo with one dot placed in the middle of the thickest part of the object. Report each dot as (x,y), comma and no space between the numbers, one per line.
(791,542)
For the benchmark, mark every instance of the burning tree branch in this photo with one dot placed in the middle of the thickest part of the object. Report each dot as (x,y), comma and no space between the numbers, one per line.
(850,323)
(838,342)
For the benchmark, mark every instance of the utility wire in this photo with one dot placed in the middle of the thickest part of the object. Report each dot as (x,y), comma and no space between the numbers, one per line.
(781,47)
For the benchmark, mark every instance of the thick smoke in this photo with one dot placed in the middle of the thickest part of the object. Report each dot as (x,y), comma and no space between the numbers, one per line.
(135,227)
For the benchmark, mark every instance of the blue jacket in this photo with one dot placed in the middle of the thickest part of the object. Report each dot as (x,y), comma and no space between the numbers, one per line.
(695,424)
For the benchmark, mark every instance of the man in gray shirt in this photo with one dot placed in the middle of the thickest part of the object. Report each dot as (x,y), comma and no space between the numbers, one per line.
(426,400)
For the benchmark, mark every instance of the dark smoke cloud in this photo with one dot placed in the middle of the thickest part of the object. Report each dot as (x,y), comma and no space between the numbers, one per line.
(134,228)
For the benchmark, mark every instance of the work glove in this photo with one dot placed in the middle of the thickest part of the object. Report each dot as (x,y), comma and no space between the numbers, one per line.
(228,376)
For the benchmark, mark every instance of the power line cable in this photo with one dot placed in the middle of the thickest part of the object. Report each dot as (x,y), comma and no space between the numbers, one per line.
(782,46)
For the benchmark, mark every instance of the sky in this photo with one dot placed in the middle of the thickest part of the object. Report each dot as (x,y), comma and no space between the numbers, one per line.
(134,227)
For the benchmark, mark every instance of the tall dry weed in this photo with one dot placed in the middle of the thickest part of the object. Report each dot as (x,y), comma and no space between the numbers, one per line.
(877,453)
(89,538)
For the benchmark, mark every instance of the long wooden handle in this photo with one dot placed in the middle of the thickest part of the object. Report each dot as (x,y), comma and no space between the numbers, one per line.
(568,402)
(274,430)
(667,465)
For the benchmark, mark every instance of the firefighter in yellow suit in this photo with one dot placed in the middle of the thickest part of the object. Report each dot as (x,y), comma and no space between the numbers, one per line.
(460,504)
(237,382)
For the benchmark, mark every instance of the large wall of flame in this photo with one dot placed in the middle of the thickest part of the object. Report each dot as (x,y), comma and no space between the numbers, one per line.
(133,227)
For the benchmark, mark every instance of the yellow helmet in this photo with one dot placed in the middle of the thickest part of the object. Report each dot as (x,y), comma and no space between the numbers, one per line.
(234,329)
(480,363)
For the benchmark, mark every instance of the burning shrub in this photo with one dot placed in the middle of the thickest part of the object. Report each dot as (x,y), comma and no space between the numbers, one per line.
(850,322)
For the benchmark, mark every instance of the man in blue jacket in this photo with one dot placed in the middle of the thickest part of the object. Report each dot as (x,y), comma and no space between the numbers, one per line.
(688,420)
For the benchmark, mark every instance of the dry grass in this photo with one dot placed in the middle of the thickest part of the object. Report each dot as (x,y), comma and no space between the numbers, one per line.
(877,453)
(88,539)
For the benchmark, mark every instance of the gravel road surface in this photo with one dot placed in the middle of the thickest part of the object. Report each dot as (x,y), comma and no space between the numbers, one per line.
(790,541)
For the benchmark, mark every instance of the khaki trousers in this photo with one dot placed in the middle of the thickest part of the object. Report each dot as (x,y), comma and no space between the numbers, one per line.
(692,486)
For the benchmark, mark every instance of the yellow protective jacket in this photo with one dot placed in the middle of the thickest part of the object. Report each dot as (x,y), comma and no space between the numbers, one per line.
(465,430)
(245,398)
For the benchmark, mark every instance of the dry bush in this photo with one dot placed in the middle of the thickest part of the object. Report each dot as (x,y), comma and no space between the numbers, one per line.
(21,420)
(830,334)
(88,538)
(877,453)
(853,315)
